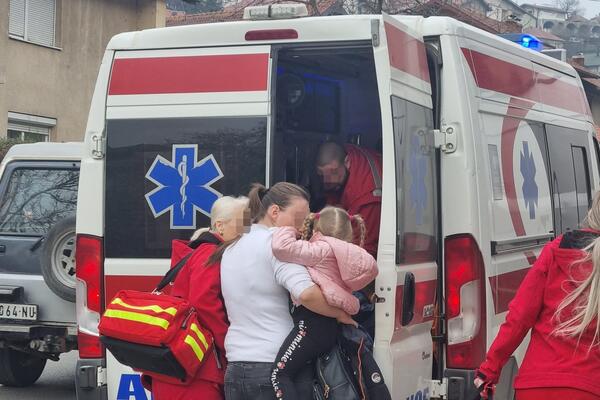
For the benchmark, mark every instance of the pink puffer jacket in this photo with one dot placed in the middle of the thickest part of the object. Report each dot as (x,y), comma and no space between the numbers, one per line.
(338,267)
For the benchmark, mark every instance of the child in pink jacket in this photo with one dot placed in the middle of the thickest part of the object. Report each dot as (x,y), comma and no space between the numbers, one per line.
(339,267)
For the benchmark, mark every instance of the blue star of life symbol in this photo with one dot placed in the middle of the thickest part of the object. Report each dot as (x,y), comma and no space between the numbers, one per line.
(183,185)
(530,188)
(418,171)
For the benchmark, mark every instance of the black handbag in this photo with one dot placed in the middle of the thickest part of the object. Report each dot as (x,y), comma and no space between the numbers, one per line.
(335,377)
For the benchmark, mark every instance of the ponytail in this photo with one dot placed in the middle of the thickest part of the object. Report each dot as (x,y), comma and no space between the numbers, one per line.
(217,255)
(362,228)
(256,195)
(280,194)
(308,226)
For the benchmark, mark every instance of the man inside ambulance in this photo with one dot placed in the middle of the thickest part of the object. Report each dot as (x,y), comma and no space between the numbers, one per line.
(351,178)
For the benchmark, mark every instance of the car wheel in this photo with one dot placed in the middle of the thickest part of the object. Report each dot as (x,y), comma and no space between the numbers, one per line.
(19,369)
(58,259)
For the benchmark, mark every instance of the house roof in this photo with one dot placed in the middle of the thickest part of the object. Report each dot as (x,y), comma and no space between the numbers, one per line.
(544,7)
(577,18)
(542,34)
(478,20)
(515,5)
(236,12)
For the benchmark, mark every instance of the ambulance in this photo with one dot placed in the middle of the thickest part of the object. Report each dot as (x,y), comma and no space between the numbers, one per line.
(488,153)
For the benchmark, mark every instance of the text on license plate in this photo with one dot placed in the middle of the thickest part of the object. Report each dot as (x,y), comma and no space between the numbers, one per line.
(18,311)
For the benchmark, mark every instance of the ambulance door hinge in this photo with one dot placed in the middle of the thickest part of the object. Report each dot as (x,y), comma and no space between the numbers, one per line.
(438,389)
(375,32)
(445,139)
(101,376)
(98,146)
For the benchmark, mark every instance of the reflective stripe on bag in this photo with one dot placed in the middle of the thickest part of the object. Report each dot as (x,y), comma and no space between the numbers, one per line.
(137,317)
(193,343)
(157,309)
(190,341)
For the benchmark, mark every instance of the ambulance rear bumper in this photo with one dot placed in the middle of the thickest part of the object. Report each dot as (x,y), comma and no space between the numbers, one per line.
(89,379)
(460,384)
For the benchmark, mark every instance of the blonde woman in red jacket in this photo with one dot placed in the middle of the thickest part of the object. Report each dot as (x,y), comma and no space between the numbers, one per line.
(199,281)
(559,302)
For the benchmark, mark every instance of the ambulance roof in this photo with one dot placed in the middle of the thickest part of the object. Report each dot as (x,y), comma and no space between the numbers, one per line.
(45,151)
(316,29)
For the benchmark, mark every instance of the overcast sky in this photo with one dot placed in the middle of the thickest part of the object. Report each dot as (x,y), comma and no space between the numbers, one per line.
(591,8)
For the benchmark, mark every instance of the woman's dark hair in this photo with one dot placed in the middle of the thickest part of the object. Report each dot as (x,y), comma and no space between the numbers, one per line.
(261,198)
(280,194)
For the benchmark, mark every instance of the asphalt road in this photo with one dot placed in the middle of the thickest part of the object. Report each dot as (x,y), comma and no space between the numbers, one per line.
(57,382)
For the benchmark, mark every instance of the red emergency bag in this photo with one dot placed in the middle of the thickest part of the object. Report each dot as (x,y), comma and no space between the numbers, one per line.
(156,334)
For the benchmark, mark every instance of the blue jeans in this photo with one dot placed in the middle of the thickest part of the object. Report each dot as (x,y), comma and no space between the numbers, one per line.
(252,381)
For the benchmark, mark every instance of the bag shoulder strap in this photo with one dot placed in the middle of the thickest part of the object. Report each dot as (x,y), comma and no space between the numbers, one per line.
(172,273)
(374,172)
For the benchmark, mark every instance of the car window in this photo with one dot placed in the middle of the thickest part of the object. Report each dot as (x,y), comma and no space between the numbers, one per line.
(35,199)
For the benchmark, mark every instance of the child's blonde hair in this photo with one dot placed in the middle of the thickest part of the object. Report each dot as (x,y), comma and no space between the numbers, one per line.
(334,222)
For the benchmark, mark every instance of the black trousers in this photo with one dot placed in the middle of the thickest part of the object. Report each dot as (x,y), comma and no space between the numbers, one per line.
(312,335)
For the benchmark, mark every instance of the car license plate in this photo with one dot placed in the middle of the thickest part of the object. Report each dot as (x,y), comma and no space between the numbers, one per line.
(18,311)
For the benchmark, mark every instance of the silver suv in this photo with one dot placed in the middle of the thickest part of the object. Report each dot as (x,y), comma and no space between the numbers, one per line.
(38,199)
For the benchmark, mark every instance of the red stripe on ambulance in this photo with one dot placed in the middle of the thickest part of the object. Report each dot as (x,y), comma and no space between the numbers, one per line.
(190,74)
(492,73)
(114,283)
(424,299)
(509,133)
(406,53)
(505,286)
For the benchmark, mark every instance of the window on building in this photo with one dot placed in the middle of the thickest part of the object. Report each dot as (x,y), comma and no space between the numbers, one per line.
(33,21)
(29,128)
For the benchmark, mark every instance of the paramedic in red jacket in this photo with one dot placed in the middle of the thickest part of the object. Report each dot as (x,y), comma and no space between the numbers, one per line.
(200,284)
(558,301)
(352,180)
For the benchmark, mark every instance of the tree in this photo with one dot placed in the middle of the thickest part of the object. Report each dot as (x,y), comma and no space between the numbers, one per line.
(570,7)
(194,6)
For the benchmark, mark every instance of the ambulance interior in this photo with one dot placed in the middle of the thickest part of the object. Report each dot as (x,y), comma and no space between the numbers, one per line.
(322,94)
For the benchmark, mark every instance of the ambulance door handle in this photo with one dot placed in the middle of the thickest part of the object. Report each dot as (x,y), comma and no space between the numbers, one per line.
(408,299)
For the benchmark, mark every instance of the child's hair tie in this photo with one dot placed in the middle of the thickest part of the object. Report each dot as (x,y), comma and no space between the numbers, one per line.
(317,216)
(351,217)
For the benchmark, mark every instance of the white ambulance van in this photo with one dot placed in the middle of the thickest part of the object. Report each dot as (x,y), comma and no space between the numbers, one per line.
(488,153)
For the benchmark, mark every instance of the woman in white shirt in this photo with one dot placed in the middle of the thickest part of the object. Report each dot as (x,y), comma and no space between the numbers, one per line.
(256,289)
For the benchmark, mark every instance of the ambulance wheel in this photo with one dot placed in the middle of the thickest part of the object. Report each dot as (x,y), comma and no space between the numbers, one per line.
(58,259)
(19,369)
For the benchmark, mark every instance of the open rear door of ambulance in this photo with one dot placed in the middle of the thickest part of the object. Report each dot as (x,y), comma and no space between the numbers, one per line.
(183,127)
(408,246)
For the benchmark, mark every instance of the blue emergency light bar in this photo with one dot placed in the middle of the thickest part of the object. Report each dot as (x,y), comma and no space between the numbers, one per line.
(525,40)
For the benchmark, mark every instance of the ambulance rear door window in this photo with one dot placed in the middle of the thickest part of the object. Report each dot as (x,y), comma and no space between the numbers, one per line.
(416,193)
(162,176)
(569,163)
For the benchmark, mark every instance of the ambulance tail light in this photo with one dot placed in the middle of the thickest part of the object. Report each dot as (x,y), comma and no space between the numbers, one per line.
(271,34)
(89,260)
(465,303)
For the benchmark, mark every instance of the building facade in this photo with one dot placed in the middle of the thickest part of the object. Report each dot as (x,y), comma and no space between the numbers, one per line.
(547,17)
(508,10)
(50,53)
